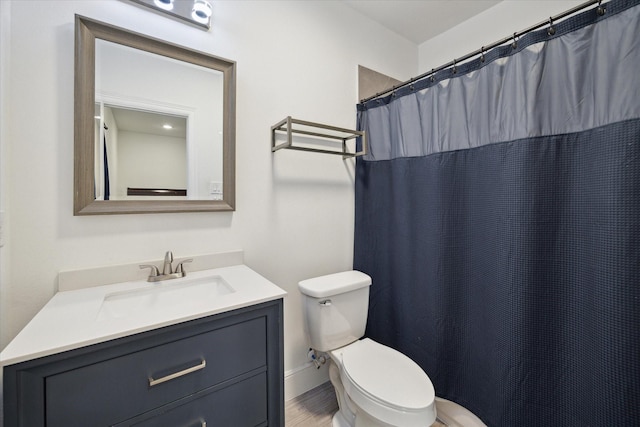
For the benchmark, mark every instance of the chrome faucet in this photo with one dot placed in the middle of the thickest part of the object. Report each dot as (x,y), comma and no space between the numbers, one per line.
(167,269)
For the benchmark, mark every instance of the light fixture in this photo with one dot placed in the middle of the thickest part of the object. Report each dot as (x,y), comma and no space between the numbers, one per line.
(167,126)
(201,11)
(194,12)
(164,4)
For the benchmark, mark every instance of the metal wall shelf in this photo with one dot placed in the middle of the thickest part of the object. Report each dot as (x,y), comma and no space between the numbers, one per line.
(290,126)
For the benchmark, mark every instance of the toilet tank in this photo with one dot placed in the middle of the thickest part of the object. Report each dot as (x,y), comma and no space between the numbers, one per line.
(335,308)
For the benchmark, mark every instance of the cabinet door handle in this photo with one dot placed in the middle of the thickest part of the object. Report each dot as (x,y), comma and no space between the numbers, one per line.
(178,374)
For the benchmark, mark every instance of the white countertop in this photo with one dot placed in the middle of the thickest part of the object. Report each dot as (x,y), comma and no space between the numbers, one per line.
(71,319)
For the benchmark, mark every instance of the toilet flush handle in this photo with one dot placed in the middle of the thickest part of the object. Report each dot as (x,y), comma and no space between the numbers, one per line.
(325,303)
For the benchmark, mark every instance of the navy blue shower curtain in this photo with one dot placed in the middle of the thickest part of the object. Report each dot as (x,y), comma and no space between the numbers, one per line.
(498,214)
(107,191)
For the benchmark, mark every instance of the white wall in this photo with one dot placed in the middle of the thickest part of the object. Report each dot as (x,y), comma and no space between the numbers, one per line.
(5,39)
(150,161)
(294,215)
(496,23)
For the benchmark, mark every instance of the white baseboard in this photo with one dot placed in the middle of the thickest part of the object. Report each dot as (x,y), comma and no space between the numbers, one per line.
(303,378)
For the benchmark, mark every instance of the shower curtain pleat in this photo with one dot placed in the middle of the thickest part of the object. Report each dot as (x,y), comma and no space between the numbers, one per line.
(106,170)
(504,244)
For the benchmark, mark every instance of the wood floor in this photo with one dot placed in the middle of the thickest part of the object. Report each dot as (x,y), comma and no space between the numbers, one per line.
(315,408)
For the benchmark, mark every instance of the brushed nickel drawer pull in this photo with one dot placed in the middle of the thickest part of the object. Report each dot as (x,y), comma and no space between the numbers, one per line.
(179,374)
(199,423)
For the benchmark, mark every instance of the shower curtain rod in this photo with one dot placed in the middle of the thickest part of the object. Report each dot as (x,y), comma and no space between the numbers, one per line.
(600,10)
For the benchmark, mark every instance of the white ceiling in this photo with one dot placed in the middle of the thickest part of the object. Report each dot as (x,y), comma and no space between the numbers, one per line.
(420,20)
(149,122)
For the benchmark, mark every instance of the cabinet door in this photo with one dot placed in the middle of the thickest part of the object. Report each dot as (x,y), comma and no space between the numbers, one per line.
(117,389)
(243,404)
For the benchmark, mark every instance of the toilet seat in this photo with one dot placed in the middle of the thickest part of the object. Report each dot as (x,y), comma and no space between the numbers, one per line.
(386,383)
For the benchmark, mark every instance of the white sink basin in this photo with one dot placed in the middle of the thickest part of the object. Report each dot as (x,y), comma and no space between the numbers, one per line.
(170,295)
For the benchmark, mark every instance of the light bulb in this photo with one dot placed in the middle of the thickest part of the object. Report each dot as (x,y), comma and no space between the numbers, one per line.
(164,4)
(201,11)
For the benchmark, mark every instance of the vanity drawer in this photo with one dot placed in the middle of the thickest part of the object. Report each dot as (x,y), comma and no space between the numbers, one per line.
(114,390)
(243,404)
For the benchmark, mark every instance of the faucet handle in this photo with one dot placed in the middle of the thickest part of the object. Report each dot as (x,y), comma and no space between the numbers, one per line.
(180,267)
(154,270)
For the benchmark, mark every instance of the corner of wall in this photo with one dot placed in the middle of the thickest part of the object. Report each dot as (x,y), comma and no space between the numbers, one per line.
(303,378)
(5,38)
(482,29)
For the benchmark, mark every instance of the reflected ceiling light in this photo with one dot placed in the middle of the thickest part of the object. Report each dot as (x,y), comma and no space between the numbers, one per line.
(164,4)
(201,11)
(167,126)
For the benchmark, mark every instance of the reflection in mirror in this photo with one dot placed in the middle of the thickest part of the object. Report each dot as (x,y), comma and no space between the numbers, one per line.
(141,154)
(176,89)
(126,161)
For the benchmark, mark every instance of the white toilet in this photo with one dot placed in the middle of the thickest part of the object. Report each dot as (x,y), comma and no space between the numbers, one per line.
(375,385)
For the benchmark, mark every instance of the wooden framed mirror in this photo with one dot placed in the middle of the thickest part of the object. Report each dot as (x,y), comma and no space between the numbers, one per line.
(122,78)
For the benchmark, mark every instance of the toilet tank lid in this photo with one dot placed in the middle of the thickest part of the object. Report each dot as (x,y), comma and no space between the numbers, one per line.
(334,284)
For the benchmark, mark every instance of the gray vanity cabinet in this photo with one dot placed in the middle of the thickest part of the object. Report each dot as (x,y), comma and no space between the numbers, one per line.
(222,370)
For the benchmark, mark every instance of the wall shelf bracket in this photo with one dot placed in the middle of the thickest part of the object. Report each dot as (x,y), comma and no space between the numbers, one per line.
(317,138)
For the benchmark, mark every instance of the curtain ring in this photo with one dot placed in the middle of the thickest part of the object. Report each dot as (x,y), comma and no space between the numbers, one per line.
(411,87)
(454,70)
(551,31)
(432,78)
(515,41)
(601,10)
(482,54)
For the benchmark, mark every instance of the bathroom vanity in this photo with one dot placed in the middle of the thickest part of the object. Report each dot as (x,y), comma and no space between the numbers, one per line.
(202,362)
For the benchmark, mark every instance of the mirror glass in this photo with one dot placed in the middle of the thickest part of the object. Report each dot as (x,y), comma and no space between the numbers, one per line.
(159,135)
(141,154)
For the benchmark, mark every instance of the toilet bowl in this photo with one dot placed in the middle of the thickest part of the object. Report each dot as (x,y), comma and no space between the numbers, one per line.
(375,384)
(385,387)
